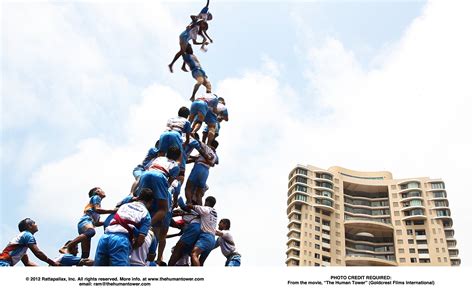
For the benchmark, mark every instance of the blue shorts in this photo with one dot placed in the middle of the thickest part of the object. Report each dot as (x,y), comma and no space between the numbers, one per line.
(168,139)
(184,38)
(233,261)
(84,224)
(165,223)
(157,182)
(199,106)
(206,241)
(191,234)
(211,118)
(199,175)
(4,263)
(218,127)
(138,171)
(113,249)
(198,73)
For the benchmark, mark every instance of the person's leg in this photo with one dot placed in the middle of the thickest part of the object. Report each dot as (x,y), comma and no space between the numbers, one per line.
(85,248)
(195,256)
(189,190)
(212,133)
(199,81)
(182,45)
(207,84)
(177,253)
(162,232)
(102,254)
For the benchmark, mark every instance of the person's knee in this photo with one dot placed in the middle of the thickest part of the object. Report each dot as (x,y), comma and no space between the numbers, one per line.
(89,233)
(207,84)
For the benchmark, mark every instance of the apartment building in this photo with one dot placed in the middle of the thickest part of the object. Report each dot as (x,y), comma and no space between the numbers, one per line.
(341,217)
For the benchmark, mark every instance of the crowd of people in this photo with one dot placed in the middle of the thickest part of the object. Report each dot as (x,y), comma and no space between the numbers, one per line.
(136,230)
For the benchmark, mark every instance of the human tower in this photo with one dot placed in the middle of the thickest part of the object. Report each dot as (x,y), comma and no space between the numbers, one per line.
(135,231)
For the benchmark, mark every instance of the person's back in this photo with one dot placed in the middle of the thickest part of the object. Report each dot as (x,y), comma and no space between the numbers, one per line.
(17,247)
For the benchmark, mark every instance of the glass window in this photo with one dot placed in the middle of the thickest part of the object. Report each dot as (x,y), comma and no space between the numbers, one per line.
(438,185)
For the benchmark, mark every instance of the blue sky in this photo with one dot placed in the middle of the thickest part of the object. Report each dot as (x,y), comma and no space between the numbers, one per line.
(86,91)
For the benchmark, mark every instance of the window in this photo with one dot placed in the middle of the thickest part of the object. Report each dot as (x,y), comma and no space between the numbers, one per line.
(409,231)
(400,241)
(301,188)
(301,171)
(317,247)
(326,193)
(326,259)
(438,185)
(402,260)
(411,241)
(326,213)
(317,256)
(420,232)
(326,222)
(325,240)
(439,194)
(317,219)
(424,260)
(419,222)
(301,180)
(410,185)
(401,251)
(317,228)
(399,232)
(326,250)
(412,251)
(413,260)
(317,237)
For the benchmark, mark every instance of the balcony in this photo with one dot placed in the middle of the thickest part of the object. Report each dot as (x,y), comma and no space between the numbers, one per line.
(355,259)
(424,256)
(416,214)
(420,236)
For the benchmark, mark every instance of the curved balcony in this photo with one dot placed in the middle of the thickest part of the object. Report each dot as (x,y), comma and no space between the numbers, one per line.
(292,210)
(369,239)
(417,214)
(293,239)
(362,249)
(292,248)
(297,259)
(295,222)
(325,204)
(455,261)
(410,198)
(367,260)
(409,190)
(293,230)
(412,207)
(355,225)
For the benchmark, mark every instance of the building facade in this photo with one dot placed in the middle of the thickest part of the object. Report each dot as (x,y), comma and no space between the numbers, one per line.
(341,217)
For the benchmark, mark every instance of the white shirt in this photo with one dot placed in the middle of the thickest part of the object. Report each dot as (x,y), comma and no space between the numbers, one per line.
(210,153)
(134,211)
(139,256)
(226,247)
(208,218)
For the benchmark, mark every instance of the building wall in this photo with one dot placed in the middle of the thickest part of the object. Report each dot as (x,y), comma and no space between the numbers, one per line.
(342,217)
